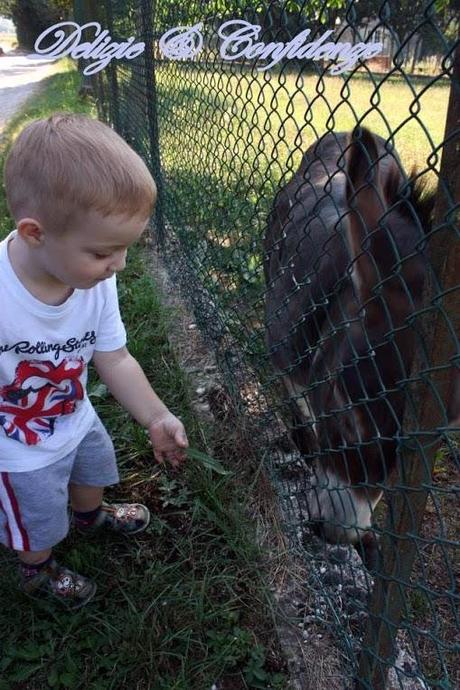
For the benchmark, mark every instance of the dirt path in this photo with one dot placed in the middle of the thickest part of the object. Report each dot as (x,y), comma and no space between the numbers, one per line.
(20,78)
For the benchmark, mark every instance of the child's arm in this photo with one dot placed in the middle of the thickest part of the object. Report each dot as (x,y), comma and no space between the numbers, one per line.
(123,376)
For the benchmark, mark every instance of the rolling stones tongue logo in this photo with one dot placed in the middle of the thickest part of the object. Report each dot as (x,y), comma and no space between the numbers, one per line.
(41,392)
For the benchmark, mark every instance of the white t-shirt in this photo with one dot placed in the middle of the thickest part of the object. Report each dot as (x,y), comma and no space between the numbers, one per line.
(44,352)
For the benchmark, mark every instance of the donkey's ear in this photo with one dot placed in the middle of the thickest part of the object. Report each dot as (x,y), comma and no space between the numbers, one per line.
(362,158)
(364,167)
(366,201)
(392,185)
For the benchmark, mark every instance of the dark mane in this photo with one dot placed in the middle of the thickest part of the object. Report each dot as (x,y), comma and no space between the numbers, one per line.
(418,200)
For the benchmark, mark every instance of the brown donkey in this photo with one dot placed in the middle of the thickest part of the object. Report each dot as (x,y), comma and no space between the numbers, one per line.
(345,261)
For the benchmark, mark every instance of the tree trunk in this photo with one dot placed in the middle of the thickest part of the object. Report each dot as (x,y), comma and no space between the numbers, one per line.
(415,54)
(31,18)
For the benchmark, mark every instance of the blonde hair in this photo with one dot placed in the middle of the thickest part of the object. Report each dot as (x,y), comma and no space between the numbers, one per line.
(68,163)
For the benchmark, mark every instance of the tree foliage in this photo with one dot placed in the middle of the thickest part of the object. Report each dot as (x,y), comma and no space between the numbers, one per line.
(280,19)
(404,16)
(6,7)
(171,13)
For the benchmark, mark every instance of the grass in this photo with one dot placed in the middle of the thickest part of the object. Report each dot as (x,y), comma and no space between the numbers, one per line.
(185,604)
(229,140)
(285,112)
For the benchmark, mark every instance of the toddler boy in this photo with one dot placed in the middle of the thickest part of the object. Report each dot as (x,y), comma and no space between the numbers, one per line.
(80,196)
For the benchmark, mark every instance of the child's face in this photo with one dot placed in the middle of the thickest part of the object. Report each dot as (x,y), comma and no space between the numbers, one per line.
(91,253)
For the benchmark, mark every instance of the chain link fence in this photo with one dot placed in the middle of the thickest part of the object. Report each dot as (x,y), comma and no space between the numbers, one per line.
(311,218)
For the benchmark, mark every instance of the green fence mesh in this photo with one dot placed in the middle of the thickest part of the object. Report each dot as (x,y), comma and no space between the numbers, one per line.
(330,296)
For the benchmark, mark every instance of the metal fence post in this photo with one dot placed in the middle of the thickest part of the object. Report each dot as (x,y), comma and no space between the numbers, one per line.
(148,12)
(442,293)
(86,11)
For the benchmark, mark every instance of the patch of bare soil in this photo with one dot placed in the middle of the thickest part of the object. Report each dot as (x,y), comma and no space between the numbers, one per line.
(313,661)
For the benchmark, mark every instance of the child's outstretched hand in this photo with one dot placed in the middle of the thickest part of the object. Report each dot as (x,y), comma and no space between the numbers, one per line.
(169,439)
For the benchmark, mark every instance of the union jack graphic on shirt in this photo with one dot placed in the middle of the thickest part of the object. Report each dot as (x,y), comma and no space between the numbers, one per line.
(40,393)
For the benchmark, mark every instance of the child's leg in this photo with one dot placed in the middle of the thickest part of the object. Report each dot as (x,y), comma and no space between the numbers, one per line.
(85,498)
(95,467)
(86,502)
(34,557)
(34,518)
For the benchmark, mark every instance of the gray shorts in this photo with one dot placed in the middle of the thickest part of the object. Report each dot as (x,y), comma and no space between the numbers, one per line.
(34,505)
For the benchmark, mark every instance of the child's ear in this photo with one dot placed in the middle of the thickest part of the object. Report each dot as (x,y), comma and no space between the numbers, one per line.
(30,230)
